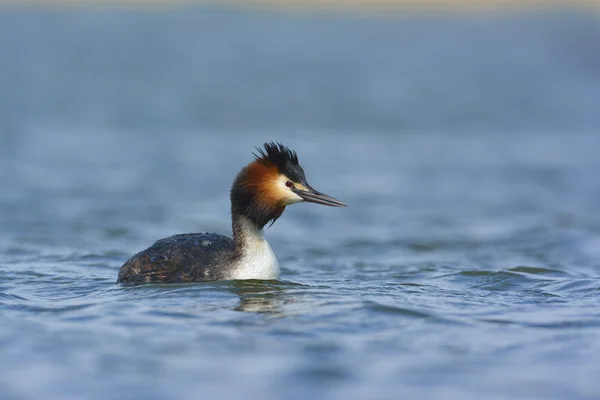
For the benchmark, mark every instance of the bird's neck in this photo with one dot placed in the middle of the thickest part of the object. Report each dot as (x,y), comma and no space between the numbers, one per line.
(245,232)
(253,255)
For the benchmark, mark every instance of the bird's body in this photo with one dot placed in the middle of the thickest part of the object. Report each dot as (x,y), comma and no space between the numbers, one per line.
(259,195)
(196,257)
(181,258)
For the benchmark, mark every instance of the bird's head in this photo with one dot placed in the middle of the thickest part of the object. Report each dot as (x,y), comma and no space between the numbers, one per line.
(274,180)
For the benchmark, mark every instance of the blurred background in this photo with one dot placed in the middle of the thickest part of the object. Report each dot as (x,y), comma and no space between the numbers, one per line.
(463,135)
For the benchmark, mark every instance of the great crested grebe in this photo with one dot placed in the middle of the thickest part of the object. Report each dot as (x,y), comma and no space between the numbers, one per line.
(259,194)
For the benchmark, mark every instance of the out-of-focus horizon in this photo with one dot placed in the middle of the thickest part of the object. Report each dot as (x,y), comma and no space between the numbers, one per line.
(214,66)
(336,5)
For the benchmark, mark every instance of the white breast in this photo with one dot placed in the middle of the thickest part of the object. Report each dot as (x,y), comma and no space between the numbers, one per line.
(258,260)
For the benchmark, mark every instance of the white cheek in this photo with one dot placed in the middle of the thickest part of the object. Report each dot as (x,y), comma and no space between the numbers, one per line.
(288,196)
(292,198)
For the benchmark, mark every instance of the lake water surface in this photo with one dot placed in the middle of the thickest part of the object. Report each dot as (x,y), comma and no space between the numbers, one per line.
(467,264)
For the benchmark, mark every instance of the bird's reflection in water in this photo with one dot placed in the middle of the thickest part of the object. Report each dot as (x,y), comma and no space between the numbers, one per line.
(267,297)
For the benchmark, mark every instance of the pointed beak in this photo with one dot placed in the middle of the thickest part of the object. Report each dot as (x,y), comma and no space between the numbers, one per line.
(313,196)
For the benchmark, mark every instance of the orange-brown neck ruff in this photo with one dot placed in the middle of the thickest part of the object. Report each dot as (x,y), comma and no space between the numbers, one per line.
(255,193)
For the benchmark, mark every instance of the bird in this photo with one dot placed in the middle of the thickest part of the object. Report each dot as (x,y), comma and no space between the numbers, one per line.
(259,194)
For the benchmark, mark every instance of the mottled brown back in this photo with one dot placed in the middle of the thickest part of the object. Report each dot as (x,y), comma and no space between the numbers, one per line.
(191,257)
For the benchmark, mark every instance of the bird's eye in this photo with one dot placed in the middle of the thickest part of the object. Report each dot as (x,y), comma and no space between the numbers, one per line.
(289,184)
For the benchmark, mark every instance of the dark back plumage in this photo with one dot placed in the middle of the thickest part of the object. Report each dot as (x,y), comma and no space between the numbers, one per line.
(190,257)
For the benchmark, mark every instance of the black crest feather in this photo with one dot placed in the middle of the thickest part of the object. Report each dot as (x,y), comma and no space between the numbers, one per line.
(278,154)
(283,158)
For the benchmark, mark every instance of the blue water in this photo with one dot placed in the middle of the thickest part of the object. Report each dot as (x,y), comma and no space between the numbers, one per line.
(467,264)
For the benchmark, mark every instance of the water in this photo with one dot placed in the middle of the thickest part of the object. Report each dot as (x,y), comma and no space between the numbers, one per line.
(466,265)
